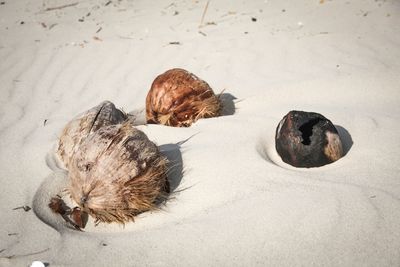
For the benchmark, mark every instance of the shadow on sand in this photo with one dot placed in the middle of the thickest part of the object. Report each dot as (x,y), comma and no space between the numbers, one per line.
(175,165)
(228,104)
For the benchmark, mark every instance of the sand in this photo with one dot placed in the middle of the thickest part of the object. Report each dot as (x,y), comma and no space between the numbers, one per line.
(235,203)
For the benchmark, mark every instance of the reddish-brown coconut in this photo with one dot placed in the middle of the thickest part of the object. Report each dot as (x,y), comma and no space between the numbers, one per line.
(307,139)
(179,98)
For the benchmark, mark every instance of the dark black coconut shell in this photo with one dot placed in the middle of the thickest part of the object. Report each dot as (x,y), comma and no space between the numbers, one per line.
(301,139)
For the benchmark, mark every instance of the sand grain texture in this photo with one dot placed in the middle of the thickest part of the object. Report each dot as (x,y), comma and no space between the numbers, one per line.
(242,206)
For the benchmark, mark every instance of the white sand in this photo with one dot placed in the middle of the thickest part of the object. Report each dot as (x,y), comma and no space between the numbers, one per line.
(242,206)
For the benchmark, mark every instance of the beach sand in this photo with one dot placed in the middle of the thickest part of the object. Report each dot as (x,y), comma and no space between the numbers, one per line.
(235,203)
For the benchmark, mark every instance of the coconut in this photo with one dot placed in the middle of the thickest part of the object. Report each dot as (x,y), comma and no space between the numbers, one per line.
(307,139)
(117,173)
(179,98)
(84,124)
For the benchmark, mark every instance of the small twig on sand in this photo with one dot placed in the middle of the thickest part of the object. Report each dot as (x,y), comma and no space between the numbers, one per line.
(61,7)
(52,25)
(204,14)
(29,254)
(25,208)
(170,5)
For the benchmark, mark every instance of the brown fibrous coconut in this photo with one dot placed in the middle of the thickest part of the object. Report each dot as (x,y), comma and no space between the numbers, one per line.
(179,98)
(79,128)
(117,173)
